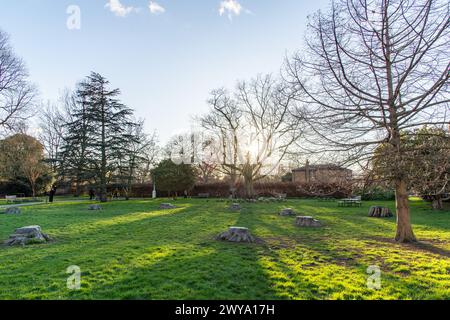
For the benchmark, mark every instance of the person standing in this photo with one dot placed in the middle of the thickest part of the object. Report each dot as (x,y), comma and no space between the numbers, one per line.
(91,194)
(52,194)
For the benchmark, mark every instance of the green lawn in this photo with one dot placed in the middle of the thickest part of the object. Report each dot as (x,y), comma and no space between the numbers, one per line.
(133,250)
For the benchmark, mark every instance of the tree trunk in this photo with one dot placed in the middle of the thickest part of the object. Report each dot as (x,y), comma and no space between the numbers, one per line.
(33,189)
(247,173)
(130,179)
(437,203)
(233,178)
(103,190)
(404,229)
(249,189)
(77,187)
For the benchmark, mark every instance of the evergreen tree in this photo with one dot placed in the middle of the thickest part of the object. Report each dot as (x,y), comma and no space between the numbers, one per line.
(73,160)
(108,120)
(98,134)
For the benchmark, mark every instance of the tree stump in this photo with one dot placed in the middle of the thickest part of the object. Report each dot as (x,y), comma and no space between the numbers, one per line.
(95,207)
(309,222)
(12,210)
(287,212)
(235,207)
(167,206)
(27,235)
(236,234)
(380,212)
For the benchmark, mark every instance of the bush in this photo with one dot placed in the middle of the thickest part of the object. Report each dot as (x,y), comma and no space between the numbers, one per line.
(376,193)
(15,188)
(274,189)
(221,189)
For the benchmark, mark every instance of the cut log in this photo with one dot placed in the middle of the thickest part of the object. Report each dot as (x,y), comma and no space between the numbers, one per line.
(27,235)
(287,212)
(235,207)
(380,212)
(236,234)
(167,206)
(309,222)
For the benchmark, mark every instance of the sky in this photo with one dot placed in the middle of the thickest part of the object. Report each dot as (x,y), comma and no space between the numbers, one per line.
(164,55)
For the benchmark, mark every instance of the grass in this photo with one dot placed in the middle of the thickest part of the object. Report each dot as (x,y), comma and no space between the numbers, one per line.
(133,250)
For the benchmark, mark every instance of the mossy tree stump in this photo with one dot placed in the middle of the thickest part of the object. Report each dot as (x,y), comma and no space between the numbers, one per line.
(287,212)
(235,207)
(380,212)
(167,206)
(27,235)
(308,222)
(236,234)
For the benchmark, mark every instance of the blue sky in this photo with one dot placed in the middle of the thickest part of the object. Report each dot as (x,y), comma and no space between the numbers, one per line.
(165,55)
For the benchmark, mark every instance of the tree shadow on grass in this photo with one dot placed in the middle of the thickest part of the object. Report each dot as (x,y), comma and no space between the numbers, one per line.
(106,245)
(175,256)
(196,272)
(293,251)
(420,246)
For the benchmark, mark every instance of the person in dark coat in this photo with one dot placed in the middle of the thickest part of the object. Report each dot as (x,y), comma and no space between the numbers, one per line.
(52,194)
(91,194)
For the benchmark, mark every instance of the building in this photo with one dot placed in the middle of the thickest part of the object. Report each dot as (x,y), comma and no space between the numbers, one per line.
(322,173)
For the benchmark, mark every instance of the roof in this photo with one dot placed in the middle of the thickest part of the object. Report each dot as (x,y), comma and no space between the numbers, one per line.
(322,167)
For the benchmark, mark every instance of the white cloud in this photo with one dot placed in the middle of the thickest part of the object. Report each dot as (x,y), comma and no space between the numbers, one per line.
(230,7)
(155,8)
(119,9)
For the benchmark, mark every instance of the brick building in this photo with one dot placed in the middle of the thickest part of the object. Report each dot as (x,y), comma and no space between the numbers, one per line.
(322,173)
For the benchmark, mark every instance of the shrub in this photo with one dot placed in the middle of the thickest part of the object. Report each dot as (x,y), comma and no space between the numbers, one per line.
(376,193)
(274,189)
(15,188)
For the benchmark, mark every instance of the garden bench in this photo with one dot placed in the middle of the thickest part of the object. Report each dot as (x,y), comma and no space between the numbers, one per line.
(350,202)
(10,198)
(203,195)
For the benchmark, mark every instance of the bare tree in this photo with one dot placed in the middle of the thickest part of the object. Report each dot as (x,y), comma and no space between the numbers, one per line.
(133,155)
(208,167)
(269,131)
(198,149)
(51,134)
(370,70)
(16,94)
(257,125)
(224,123)
(150,154)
